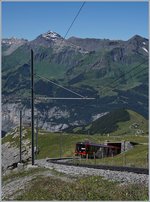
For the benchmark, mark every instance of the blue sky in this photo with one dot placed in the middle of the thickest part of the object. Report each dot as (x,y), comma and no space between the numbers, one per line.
(109,20)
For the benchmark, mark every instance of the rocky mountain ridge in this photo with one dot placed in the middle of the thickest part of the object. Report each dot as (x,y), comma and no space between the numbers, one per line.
(90,44)
(10,45)
(13,40)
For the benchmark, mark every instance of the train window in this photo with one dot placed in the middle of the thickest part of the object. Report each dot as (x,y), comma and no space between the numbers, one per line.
(80,147)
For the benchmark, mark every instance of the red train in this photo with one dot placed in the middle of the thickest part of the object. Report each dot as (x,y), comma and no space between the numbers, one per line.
(91,150)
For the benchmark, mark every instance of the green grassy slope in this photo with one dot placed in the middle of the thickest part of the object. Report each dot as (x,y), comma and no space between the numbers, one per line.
(54,145)
(117,122)
(136,125)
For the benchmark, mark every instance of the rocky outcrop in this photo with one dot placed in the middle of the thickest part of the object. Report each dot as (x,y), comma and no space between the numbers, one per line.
(50,119)
(11,151)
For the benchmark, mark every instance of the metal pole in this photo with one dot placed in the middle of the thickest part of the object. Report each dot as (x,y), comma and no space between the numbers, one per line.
(94,158)
(60,146)
(32,105)
(37,136)
(124,156)
(20,135)
(147,159)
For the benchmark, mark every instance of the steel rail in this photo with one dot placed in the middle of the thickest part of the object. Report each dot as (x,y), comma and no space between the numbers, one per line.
(103,167)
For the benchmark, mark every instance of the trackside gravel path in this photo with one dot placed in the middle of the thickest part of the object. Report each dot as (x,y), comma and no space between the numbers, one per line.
(123,177)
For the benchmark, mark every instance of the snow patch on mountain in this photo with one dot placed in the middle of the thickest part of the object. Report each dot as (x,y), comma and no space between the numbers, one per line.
(145,49)
(13,40)
(97,116)
(51,35)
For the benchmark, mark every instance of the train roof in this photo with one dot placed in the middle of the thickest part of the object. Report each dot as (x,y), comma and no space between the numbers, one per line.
(99,145)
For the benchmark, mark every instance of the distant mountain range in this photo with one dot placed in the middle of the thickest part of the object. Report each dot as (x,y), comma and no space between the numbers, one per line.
(115,72)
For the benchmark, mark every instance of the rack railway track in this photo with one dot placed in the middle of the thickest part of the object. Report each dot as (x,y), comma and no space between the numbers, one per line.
(64,161)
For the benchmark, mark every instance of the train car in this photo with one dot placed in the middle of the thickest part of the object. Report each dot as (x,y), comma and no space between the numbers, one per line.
(92,150)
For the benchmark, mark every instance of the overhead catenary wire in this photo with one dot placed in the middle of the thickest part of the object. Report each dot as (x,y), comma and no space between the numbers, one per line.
(74,19)
(71,91)
(124,74)
(64,98)
(136,74)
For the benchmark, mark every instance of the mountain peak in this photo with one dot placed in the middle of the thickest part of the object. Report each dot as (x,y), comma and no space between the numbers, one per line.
(51,35)
(137,38)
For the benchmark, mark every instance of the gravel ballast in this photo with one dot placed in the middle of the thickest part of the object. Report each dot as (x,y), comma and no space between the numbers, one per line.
(123,177)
